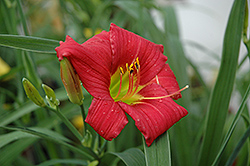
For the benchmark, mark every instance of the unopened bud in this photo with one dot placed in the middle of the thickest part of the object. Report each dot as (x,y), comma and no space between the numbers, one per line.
(71,82)
(33,93)
(87,140)
(50,96)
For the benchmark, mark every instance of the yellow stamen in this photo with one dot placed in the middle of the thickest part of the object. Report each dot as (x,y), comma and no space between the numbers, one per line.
(138,77)
(160,97)
(127,67)
(137,61)
(137,64)
(131,67)
(120,87)
(129,83)
(121,70)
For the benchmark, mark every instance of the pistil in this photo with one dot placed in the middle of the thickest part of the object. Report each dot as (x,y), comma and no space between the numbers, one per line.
(161,97)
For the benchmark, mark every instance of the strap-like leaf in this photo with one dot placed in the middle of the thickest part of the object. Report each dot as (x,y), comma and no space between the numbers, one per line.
(130,157)
(233,125)
(86,153)
(218,107)
(7,138)
(28,43)
(159,152)
(238,147)
(64,161)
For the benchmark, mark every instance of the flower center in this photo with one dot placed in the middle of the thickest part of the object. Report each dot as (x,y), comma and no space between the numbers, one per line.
(125,83)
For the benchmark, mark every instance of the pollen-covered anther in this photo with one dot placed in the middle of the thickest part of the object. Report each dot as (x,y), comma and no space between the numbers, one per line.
(161,97)
(121,71)
(131,71)
(137,64)
(134,78)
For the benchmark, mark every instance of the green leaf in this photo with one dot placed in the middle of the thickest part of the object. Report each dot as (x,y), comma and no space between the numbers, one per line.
(131,7)
(51,133)
(170,21)
(159,152)
(9,153)
(85,152)
(63,161)
(30,69)
(9,137)
(26,108)
(14,115)
(177,61)
(218,106)
(23,20)
(28,43)
(238,148)
(130,157)
(233,125)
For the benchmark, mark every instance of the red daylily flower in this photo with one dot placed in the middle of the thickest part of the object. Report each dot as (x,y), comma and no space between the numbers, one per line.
(125,73)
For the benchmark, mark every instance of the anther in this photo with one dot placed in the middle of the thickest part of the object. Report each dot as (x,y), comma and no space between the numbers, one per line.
(131,71)
(127,67)
(137,61)
(121,70)
(131,66)
(136,64)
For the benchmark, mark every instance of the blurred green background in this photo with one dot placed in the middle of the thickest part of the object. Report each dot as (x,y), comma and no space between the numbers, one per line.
(192,33)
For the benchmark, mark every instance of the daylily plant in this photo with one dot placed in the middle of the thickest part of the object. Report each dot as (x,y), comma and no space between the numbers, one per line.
(125,73)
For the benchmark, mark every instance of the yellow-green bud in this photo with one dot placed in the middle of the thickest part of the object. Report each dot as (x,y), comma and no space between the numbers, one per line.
(33,93)
(93,163)
(50,96)
(71,82)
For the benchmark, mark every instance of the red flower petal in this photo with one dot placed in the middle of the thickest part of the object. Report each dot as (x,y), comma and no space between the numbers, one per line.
(167,80)
(107,118)
(154,117)
(127,46)
(92,62)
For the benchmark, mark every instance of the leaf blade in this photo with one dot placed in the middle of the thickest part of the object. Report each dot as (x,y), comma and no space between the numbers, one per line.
(221,95)
(159,152)
(7,138)
(233,125)
(63,161)
(87,153)
(238,147)
(132,157)
(29,43)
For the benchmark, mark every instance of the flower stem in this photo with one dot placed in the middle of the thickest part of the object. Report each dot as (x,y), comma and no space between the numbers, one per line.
(66,122)
(83,118)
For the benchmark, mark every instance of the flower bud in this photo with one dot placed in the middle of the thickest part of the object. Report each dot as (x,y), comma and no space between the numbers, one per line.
(87,140)
(71,82)
(50,96)
(33,93)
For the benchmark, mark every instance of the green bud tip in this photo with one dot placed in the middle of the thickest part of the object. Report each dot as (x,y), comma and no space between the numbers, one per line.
(50,95)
